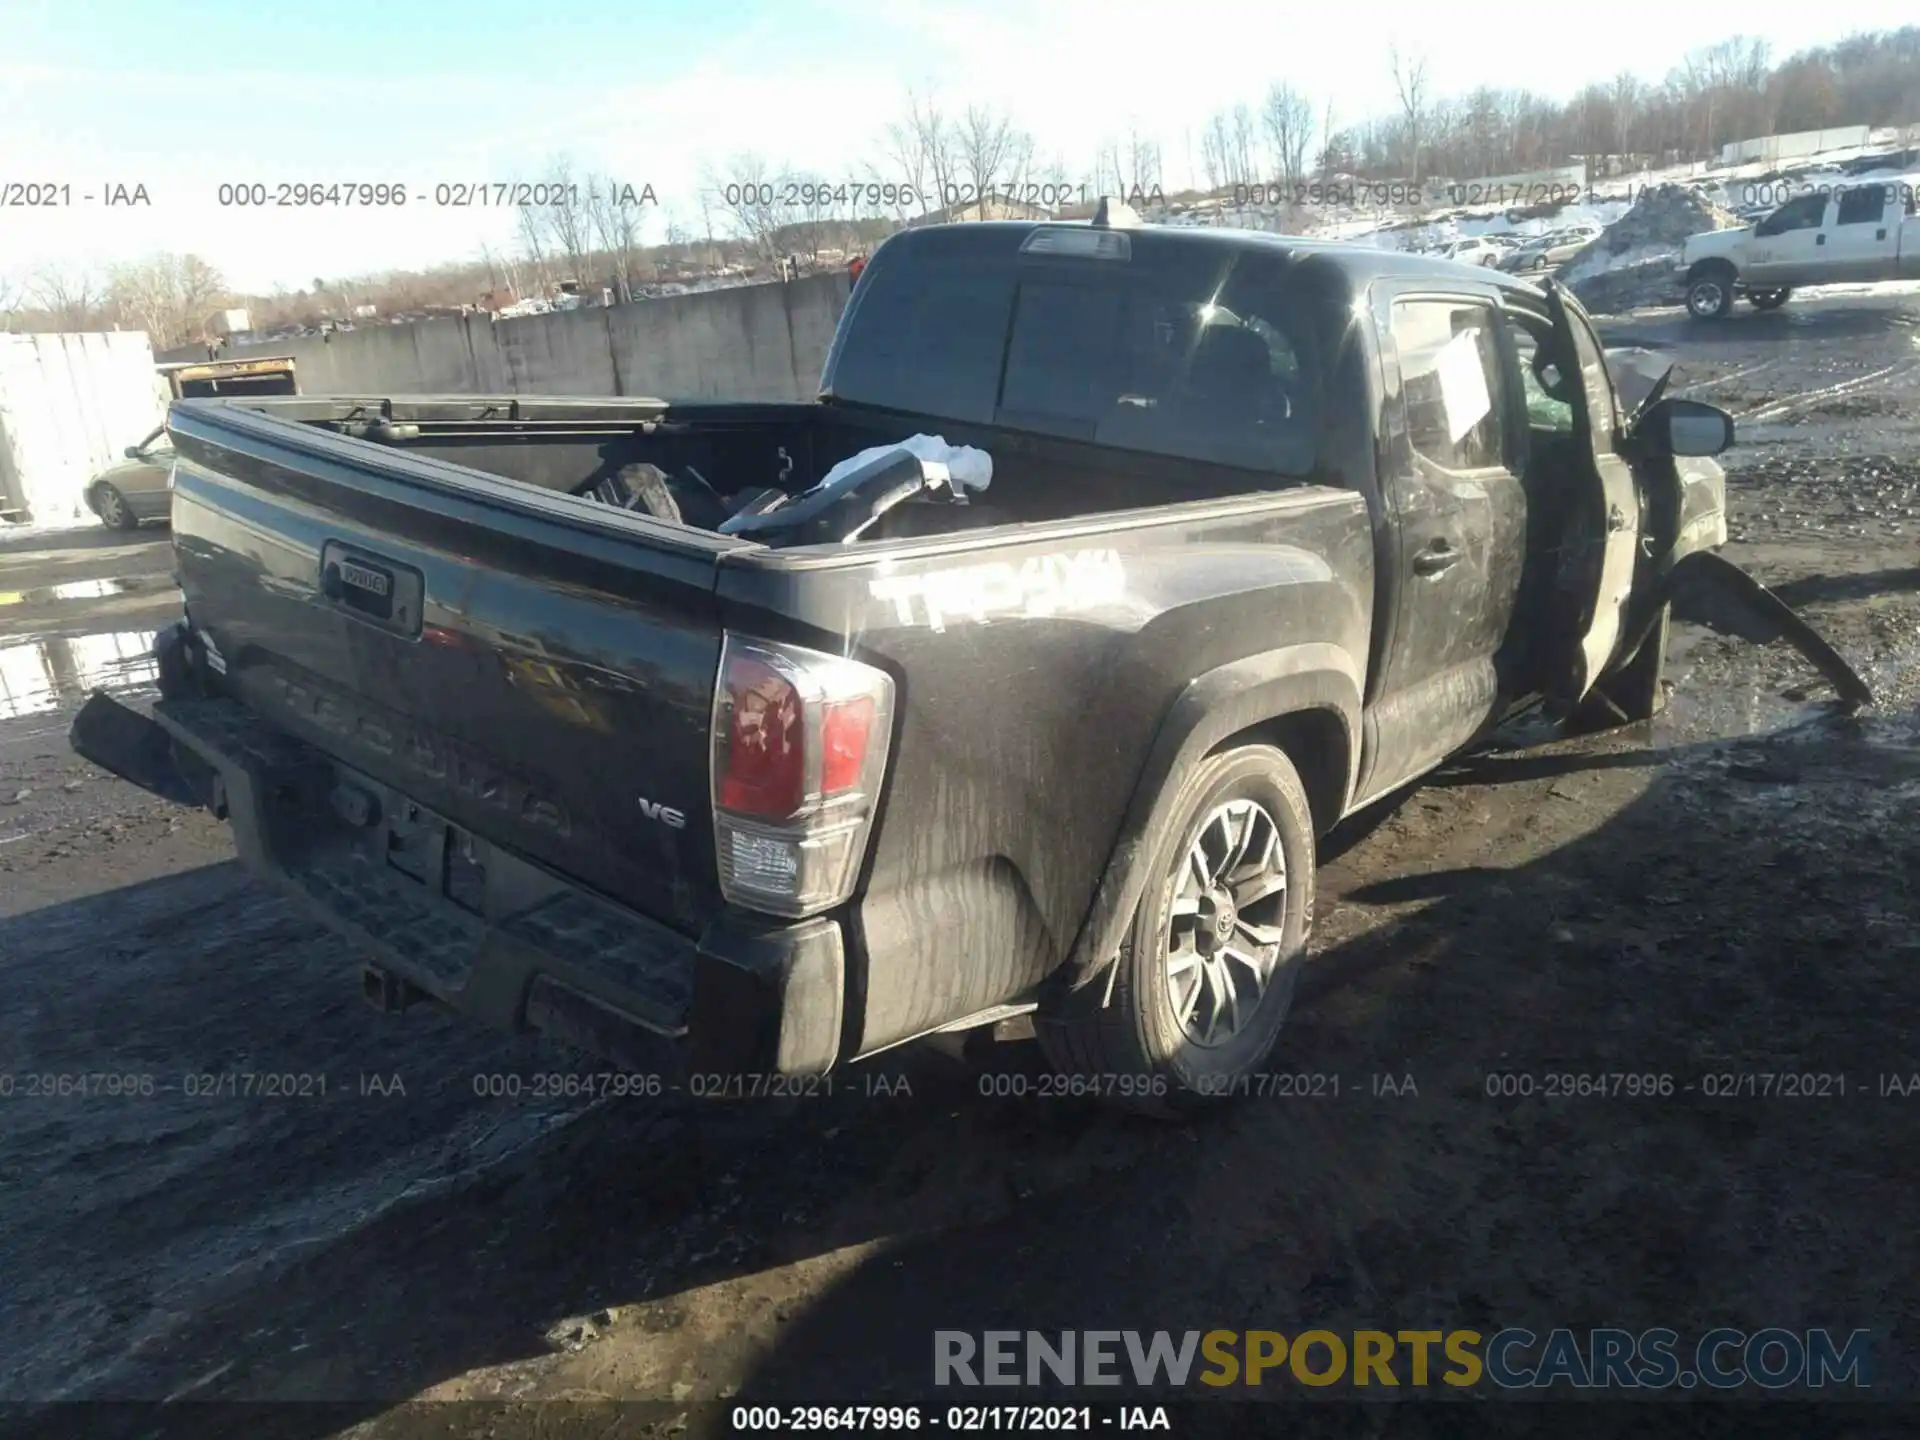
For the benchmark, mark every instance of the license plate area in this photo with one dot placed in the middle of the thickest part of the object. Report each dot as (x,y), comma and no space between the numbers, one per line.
(441,857)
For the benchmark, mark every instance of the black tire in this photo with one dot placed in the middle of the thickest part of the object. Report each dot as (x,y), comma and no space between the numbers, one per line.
(113,509)
(1633,693)
(1769,299)
(1710,293)
(1134,1047)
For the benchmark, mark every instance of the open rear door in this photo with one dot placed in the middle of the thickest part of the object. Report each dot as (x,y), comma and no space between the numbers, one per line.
(1601,540)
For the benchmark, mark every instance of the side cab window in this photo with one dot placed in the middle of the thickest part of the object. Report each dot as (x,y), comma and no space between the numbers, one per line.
(1452,382)
(1806,213)
(1863,205)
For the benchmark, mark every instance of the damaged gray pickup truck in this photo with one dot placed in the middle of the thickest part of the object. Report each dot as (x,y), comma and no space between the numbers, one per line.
(657,728)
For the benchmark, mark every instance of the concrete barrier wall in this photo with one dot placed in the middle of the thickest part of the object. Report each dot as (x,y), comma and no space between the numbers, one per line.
(748,342)
(69,407)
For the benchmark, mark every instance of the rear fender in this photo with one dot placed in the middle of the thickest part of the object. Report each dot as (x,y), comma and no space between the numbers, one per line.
(1221,703)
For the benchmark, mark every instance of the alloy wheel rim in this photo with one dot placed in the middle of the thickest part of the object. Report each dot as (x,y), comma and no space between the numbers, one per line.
(114,506)
(1225,922)
(1707,298)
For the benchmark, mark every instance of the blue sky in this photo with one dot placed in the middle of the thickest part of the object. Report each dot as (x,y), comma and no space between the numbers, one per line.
(183,96)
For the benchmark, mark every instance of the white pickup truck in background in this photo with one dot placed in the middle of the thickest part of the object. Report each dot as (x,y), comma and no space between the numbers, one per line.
(1857,233)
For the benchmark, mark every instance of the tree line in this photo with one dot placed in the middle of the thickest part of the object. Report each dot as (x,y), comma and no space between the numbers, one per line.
(932,162)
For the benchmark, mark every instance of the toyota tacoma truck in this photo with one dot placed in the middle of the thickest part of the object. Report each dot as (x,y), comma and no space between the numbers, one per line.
(685,731)
(1827,236)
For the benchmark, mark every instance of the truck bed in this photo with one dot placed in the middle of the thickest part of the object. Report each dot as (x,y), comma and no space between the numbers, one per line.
(528,710)
(574,446)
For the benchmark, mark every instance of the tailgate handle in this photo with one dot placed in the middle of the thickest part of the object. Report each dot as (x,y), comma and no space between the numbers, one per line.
(372,588)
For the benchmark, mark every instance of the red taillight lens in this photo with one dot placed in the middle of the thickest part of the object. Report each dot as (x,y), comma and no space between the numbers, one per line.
(799,751)
(843,743)
(766,764)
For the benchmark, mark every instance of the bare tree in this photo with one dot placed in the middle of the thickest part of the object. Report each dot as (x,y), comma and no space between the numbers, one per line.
(1227,149)
(900,177)
(500,267)
(1410,84)
(569,221)
(678,237)
(614,223)
(814,209)
(983,141)
(1213,151)
(1289,122)
(709,199)
(1020,179)
(1143,162)
(934,137)
(1244,132)
(749,195)
(533,239)
(13,295)
(68,296)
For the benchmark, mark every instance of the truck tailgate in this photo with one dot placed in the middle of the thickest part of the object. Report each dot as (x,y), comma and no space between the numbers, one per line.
(536,671)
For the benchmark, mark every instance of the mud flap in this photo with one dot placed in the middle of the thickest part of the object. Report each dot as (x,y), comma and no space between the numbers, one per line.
(120,739)
(1720,595)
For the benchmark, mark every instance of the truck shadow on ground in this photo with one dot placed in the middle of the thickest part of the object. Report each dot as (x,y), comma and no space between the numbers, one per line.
(808,1250)
(1716,925)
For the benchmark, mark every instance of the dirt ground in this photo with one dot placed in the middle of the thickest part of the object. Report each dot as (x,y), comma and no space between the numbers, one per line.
(1728,891)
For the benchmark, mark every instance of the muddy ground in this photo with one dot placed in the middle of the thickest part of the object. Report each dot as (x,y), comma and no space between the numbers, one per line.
(1726,892)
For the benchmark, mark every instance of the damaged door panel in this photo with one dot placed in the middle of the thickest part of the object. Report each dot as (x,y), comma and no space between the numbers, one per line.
(1712,591)
(1601,543)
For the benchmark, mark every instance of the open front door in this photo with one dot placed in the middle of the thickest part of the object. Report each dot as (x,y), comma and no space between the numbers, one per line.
(1601,538)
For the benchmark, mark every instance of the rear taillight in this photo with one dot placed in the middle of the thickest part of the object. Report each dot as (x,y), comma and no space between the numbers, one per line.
(799,750)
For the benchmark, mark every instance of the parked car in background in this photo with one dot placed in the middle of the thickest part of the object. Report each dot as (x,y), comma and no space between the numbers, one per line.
(139,488)
(1556,247)
(1476,250)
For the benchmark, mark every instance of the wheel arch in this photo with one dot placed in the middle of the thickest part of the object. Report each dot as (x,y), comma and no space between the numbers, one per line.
(1713,265)
(1303,699)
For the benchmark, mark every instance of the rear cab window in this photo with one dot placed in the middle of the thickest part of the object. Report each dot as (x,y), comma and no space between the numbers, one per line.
(1863,205)
(1204,352)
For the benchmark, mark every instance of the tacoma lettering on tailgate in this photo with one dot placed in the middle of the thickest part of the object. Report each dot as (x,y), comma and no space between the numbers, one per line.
(361,725)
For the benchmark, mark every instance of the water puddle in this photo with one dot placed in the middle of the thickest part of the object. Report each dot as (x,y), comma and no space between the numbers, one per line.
(38,676)
(83,590)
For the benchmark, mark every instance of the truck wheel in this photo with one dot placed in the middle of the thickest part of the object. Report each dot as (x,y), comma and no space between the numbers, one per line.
(1769,299)
(1206,974)
(1710,293)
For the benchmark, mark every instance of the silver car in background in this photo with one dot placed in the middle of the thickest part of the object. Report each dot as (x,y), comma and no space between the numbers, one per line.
(139,488)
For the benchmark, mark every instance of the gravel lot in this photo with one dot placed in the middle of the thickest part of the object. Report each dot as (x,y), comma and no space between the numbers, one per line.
(1727,891)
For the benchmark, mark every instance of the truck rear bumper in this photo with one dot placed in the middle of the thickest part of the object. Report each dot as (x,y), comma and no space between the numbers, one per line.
(448,918)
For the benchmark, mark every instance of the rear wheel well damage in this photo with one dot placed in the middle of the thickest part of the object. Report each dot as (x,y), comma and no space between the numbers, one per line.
(1316,741)
(1316,737)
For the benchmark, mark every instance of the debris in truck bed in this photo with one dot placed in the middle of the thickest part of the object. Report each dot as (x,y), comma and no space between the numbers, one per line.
(854,496)
(965,467)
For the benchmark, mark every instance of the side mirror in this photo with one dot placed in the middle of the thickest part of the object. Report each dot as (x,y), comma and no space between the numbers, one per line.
(1685,427)
(132,452)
